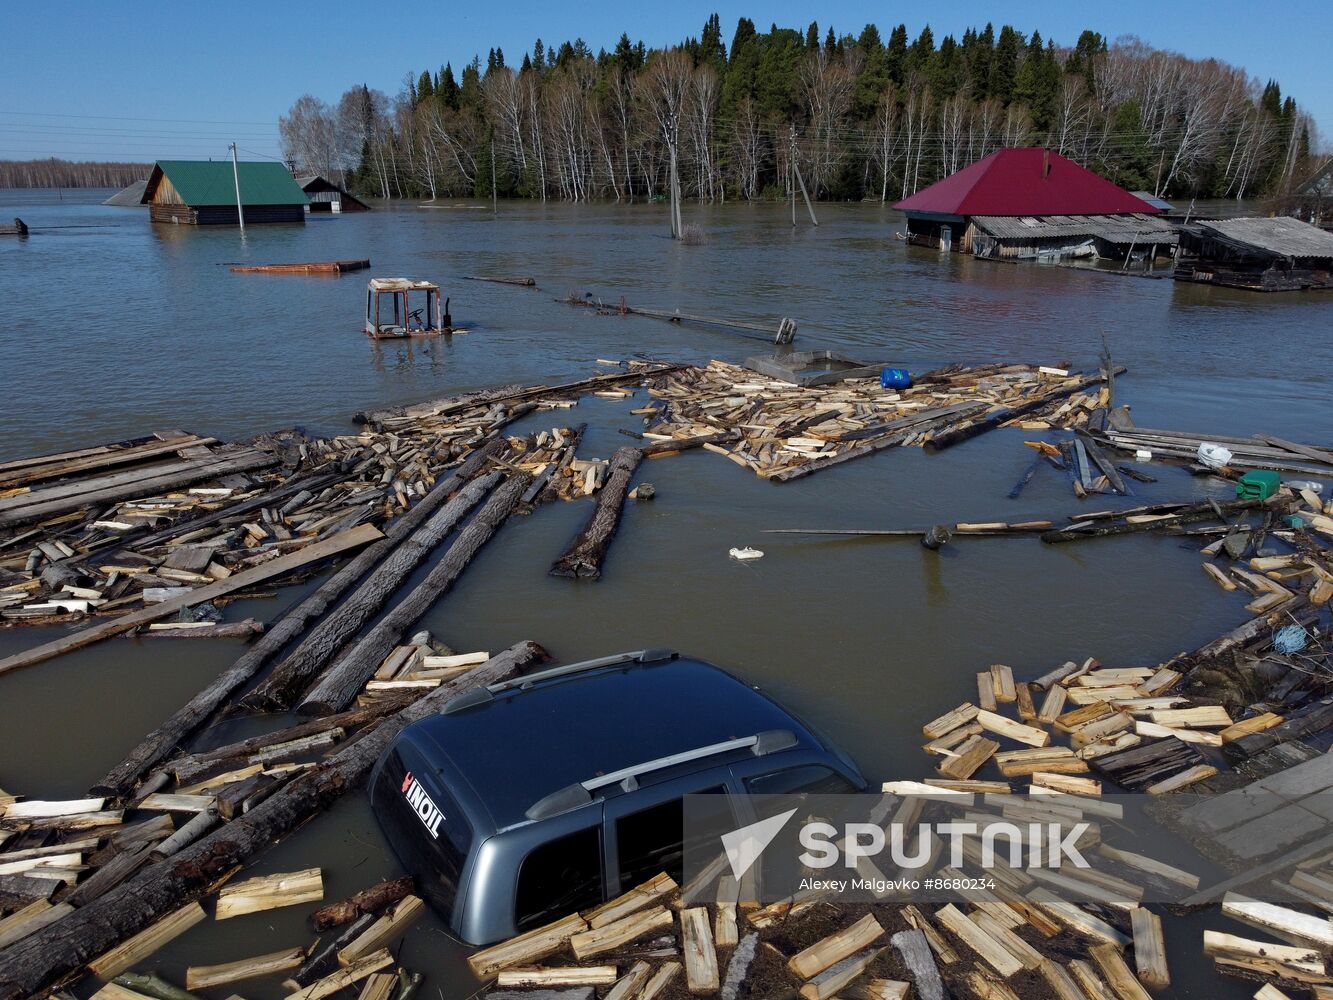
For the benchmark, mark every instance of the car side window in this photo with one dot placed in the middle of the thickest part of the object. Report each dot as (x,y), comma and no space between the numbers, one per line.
(559,877)
(650,841)
(812,778)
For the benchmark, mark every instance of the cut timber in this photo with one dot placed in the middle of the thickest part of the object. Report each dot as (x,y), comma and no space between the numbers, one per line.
(30,920)
(1052,760)
(598,940)
(1076,919)
(968,758)
(1221,945)
(701,975)
(628,985)
(1270,992)
(949,721)
(371,900)
(1011,942)
(529,947)
(38,809)
(656,888)
(269,892)
(1149,865)
(1247,727)
(593,975)
(833,979)
(314,552)
(134,950)
(383,931)
(1067,783)
(1113,967)
(430,521)
(661,979)
(344,978)
(343,681)
(1199,717)
(834,948)
(586,553)
(1002,682)
(1315,931)
(1052,705)
(378,986)
(1149,948)
(1060,981)
(1012,730)
(1181,780)
(914,950)
(205,977)
(56,951)
(991,951)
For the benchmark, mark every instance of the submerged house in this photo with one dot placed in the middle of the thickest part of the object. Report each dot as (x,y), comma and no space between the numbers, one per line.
(325,196)
(203,193)
(1033,203)
(1265,255)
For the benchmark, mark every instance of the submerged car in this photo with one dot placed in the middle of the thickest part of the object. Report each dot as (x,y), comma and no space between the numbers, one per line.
(552,792)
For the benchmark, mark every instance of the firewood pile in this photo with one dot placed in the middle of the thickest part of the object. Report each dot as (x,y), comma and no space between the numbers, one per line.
(787,429)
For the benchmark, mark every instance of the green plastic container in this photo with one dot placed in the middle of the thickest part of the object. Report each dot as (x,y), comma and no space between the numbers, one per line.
(1259,484)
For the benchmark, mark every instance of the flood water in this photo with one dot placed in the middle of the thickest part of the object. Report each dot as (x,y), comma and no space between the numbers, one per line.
(113,327)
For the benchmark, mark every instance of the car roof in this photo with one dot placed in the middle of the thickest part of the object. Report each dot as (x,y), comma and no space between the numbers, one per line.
(525,743)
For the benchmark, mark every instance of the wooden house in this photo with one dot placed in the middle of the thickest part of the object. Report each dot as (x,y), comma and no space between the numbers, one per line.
(203,193)
(1264,255)
(1034,203)
(325,196)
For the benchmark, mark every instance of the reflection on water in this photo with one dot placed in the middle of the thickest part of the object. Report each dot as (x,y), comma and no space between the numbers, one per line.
(120,328)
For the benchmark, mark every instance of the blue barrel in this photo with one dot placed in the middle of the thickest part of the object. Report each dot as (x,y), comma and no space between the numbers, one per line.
(895,378)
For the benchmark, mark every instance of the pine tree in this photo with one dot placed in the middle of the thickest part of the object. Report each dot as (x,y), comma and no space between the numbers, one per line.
(527,63)
(830,41)
(425,89)
(744,32)
(896,63)
(1004,65)
(922,51)
(448,91)
(711,49)
(538,55)
(469,94)
(812,36)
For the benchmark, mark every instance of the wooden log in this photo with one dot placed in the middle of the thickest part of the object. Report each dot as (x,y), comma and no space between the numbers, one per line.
(62,948)
(1289,923)
(655,889)
(585,555)
(949,721)
(1113,967)
(344,978)
(105,458)
(836,977)
(135,949)
(1060,981)
(834,948)
(404,552)
(537,978)
(269,892)
(969,758)
(701,973)
(339,685)
(660,980)
(301,558)
(1012,730)
(1188,515)
(994,419)
(371,900)
(598,940)
(1149,949)
(990,951)
(630,983)
(205,977)
(1220,945)
(30,920)
(387,929)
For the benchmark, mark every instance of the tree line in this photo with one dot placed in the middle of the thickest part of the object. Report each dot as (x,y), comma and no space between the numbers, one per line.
(55,173)
(858,116)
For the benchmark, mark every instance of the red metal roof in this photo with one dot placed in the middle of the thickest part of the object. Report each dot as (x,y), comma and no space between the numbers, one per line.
(1027,181)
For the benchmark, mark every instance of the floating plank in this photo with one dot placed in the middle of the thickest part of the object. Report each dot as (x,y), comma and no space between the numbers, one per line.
(1149,949)
(1289,923)
(204,977)
(654,889)
(39,809)
(344,978)
(135,949)
(527,947)
(701,973)
(949,721)
(394,922)
(592,975)
(1113,967)
(969,758)
(1184,779)
(269,892)
(597,940)
(1012,730)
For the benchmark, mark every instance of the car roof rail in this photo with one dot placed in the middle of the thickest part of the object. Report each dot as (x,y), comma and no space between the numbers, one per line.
(581,792)
(481,695)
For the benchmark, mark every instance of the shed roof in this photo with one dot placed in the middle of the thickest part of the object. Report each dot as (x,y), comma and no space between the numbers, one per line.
(1024,181)
(1137,228)
(1284,236)
(211,182)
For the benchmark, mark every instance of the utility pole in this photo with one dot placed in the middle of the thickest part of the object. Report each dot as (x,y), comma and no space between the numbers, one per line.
(675,181)
(796,169)
(236,177)
(791,172)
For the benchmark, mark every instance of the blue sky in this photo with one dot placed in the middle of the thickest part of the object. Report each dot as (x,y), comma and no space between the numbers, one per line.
(92,80)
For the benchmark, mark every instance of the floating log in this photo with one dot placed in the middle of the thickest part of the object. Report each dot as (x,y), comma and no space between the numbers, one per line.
(428,528)
(384,931)
(599,940)
(314,267)
(135,949)
(1149,949)
(784,333)
(526,948)
(64,947)
(371,900)
(270,892)
(525,282)
(585,555)
(340,684)
(1187,515)
(314,552)
(993,420)
(344,978)
(205,977)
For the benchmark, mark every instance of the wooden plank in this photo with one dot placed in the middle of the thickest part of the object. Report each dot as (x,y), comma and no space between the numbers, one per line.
(343,541)
(1198,717)
(1149,949)
(991,951)
(1002,683)
(163,802)
(1053,704)
(630,983)
(270,892)
(653,890)
(834,948)
(598,940)
(1012,730)
(30,920)
(39,809)
(344,978)
(1028,956)
(949,721)
(204,977)
(1060,982)
(986,691)
(394,922)
(1149,865)
(592,975)
(1289,923)
(968,758)
(1113,967)
(527,947)
(832,980)
(1218,944)
(135,949)
(1182,780)
(701,974)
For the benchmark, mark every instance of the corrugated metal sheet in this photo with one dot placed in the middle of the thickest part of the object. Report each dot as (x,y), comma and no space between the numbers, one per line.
(1136,228)
(1284,236)
(210,182)
(1027,181)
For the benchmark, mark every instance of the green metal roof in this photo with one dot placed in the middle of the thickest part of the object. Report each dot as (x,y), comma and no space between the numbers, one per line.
(210,182)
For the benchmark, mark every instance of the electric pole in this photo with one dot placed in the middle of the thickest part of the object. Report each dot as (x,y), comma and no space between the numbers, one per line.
(236,177)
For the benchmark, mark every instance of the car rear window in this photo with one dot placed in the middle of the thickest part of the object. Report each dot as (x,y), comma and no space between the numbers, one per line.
(559,877)
(650,841)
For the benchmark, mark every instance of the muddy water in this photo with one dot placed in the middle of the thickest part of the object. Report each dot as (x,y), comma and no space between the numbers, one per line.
(112,327)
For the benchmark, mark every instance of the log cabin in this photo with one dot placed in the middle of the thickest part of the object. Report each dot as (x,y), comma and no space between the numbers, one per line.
(1264,255)
(325,196)
(203,193)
